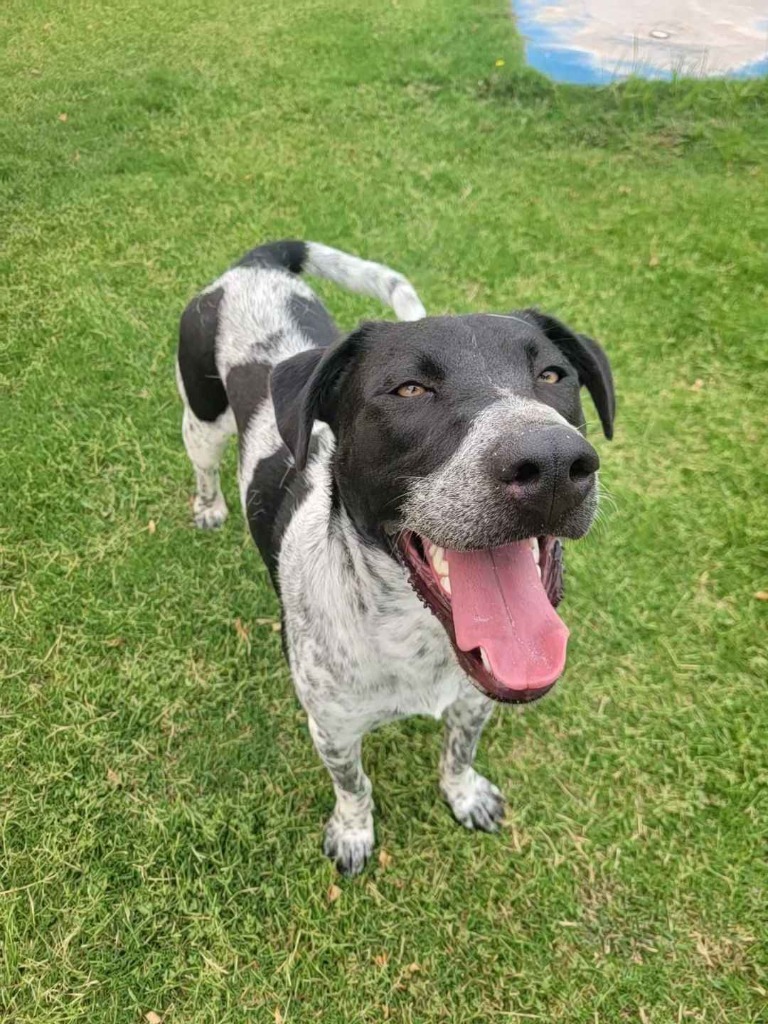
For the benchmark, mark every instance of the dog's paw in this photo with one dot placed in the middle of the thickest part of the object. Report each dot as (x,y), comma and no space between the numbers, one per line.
(475,802)
(210,515)
(349,848)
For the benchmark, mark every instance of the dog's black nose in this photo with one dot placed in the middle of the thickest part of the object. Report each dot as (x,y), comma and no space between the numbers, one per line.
(548,472)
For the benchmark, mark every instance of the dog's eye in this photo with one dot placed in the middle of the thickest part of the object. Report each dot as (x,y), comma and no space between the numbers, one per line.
(411,390)
(551,375)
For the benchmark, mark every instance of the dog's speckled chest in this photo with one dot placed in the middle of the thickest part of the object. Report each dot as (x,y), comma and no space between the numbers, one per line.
(359,639)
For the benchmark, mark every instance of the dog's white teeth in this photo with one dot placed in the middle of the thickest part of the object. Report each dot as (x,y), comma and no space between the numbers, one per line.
(538,569)
(535,549)
(484,659)
(440,562)
(445,583)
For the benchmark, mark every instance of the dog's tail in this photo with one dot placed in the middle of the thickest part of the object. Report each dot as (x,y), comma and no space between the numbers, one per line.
(350,272)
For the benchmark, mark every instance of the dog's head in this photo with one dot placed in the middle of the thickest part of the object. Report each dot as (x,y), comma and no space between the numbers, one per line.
(460,445)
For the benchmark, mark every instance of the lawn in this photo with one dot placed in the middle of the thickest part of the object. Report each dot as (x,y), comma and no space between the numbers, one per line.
(160,803)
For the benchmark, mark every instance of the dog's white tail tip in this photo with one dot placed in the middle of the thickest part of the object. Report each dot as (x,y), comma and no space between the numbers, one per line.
(365,277)
(406,303)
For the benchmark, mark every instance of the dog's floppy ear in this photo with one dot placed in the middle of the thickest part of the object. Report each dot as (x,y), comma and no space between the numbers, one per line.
(591,364)
(304,389)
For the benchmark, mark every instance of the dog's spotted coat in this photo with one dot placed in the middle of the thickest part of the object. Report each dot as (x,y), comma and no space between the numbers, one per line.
(362,648)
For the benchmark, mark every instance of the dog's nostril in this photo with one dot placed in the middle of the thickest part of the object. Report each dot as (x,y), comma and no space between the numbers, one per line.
(581,469)
(525,473)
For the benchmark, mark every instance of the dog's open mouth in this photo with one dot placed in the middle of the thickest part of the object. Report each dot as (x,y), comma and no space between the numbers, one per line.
(498,608)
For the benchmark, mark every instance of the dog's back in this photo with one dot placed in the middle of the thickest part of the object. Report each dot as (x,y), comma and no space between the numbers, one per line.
(232,334)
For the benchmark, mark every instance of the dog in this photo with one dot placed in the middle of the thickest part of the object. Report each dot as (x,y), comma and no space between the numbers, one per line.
(407,486)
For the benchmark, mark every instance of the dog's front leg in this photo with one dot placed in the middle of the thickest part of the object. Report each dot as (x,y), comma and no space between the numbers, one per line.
(349,831)
(475,801)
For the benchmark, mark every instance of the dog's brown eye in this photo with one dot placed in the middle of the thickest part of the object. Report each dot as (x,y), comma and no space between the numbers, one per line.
(411,390)
(550,376)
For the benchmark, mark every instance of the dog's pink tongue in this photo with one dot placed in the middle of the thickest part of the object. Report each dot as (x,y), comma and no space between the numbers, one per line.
(499,604)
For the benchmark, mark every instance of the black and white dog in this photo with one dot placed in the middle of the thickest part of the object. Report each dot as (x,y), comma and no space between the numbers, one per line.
(406,486)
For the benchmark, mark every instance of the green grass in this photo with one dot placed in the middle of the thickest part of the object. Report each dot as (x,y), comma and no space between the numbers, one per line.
(160,803)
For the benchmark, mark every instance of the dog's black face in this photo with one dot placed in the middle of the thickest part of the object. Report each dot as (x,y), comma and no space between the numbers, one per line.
(459,429)
(460,438)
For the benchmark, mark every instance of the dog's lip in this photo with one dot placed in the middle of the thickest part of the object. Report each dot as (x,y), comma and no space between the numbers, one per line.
(409,548)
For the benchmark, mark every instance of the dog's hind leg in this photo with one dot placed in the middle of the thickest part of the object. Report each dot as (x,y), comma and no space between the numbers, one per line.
(208,419)
(349,834)
(475,802)
(205,443)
